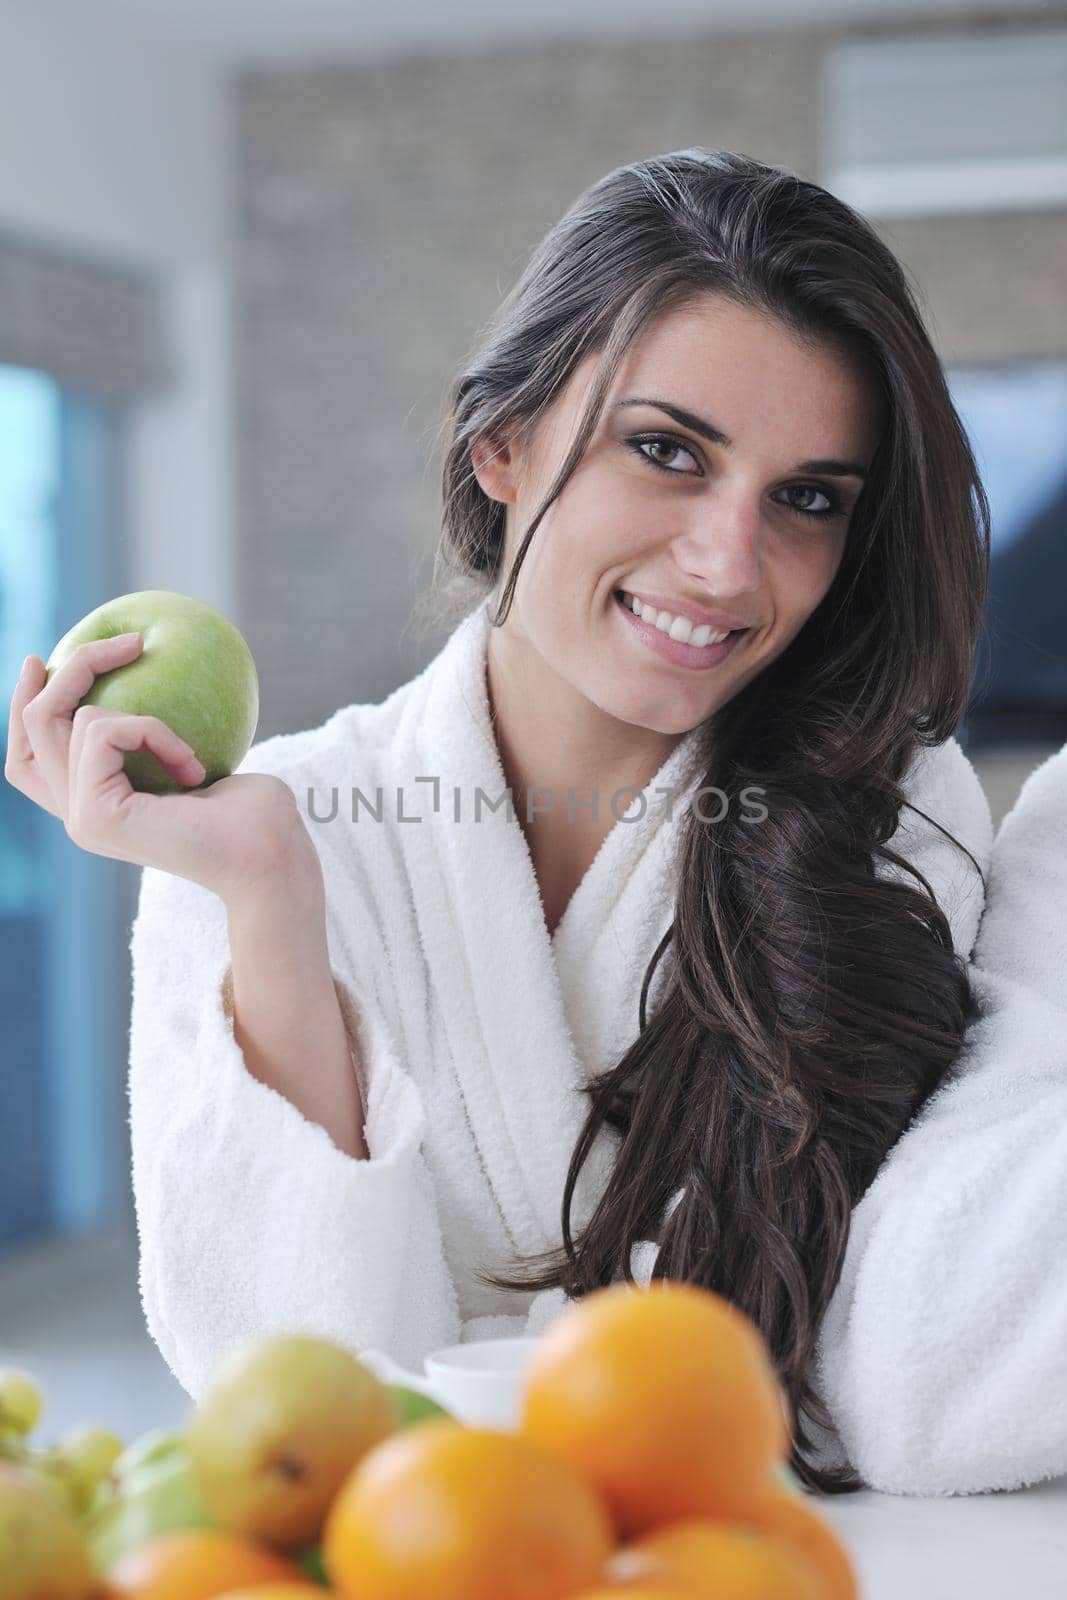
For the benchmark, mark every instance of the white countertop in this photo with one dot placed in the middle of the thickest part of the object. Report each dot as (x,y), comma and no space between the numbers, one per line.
(1000,1546)
(1004,1546)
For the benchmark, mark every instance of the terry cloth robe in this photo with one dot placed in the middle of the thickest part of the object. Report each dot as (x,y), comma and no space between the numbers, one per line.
(942,1354)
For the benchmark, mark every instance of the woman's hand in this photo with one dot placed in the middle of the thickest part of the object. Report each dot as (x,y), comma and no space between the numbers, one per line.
(67,758)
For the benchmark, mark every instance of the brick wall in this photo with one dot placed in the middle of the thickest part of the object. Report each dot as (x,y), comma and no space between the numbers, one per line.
(383,211)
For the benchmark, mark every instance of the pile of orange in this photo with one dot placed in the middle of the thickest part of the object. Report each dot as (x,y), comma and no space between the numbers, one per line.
(647,1463)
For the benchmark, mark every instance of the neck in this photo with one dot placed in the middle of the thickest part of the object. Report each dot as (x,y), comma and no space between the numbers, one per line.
(556,746)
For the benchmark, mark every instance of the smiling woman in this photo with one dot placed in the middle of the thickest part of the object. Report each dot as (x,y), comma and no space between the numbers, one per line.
(714,1046)
(832,514)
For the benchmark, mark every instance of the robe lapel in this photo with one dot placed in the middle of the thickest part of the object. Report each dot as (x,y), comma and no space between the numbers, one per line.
(495,974)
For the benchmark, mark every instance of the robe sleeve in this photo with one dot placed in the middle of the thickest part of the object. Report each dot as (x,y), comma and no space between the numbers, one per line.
(250,1220)
(943,1354)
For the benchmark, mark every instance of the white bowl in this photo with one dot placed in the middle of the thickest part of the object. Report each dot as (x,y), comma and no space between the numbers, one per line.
(480,1382)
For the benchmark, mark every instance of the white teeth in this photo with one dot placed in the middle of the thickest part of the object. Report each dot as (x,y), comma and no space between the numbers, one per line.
(679,628)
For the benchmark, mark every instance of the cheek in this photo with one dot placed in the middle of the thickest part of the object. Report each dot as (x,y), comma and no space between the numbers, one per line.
(814,569)
(799,583)
(601,524)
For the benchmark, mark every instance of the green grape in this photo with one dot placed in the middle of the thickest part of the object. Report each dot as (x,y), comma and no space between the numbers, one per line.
(13,1447)
(51,1465)
(88,1454)
(21,1401)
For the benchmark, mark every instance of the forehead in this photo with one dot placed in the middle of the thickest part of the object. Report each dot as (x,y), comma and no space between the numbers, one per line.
(750,375)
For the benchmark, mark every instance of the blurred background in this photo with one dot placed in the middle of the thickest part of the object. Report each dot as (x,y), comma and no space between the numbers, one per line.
(244,245)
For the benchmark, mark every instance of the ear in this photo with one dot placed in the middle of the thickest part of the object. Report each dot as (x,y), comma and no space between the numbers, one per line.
(497,464)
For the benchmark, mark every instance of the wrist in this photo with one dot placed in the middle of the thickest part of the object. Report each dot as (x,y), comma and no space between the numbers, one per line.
(291,883)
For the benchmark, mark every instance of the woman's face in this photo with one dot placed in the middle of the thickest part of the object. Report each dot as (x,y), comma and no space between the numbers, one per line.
(685,523)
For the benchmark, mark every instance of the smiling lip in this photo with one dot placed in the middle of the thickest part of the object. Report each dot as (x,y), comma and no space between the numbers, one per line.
(695,614)
(673,650)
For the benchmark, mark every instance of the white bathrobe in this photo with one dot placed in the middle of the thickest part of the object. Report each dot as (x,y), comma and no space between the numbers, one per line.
(942,1354)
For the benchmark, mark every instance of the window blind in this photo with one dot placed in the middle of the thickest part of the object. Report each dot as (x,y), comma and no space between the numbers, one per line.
(93,327)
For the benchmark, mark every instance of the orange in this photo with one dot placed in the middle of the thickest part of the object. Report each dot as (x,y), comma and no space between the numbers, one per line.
(636,1591)
(664,1399)
(793,1519)
(277,1591)
(445,1512)
(195,1564)
(703,1557)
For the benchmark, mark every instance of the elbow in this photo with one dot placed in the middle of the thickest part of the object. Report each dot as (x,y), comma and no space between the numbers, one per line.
(929,1433)
(166,1342)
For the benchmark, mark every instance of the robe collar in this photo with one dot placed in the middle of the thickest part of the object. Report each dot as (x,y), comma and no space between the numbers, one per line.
(528,1017)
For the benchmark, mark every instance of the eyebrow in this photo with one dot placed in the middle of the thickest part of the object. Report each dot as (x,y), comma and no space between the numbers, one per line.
(707,430)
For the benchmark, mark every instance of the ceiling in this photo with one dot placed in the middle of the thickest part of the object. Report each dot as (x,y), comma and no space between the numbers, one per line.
(257,32)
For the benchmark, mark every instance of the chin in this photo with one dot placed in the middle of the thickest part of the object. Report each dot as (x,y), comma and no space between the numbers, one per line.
(666,721)
(678,727)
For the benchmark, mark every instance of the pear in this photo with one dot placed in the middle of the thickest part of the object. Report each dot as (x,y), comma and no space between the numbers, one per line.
(43,1555)
(280,1426)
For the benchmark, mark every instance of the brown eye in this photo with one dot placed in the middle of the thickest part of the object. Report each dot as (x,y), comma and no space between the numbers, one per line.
(833,508)
(670,446)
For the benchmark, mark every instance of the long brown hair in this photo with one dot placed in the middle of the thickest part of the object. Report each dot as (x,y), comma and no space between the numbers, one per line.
(812,1006)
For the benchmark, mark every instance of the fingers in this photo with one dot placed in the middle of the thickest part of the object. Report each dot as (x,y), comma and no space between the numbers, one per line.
(99,801)
(20,767)
(48,711)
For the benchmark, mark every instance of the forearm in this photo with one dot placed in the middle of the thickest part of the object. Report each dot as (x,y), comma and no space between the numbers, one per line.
(287,1021)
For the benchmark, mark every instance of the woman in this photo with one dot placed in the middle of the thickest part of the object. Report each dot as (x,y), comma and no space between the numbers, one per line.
(408,1076)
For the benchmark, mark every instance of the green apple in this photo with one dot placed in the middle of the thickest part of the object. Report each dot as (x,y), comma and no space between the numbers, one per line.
(787,1478)
(310,1562)
(151,1446)
(411,1405)
(156,1492)
(194,672)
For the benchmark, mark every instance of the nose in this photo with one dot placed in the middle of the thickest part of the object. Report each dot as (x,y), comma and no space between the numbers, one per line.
(722,548)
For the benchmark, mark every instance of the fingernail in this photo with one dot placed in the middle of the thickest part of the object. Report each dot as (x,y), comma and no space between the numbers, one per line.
(125,638)
(25,668)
